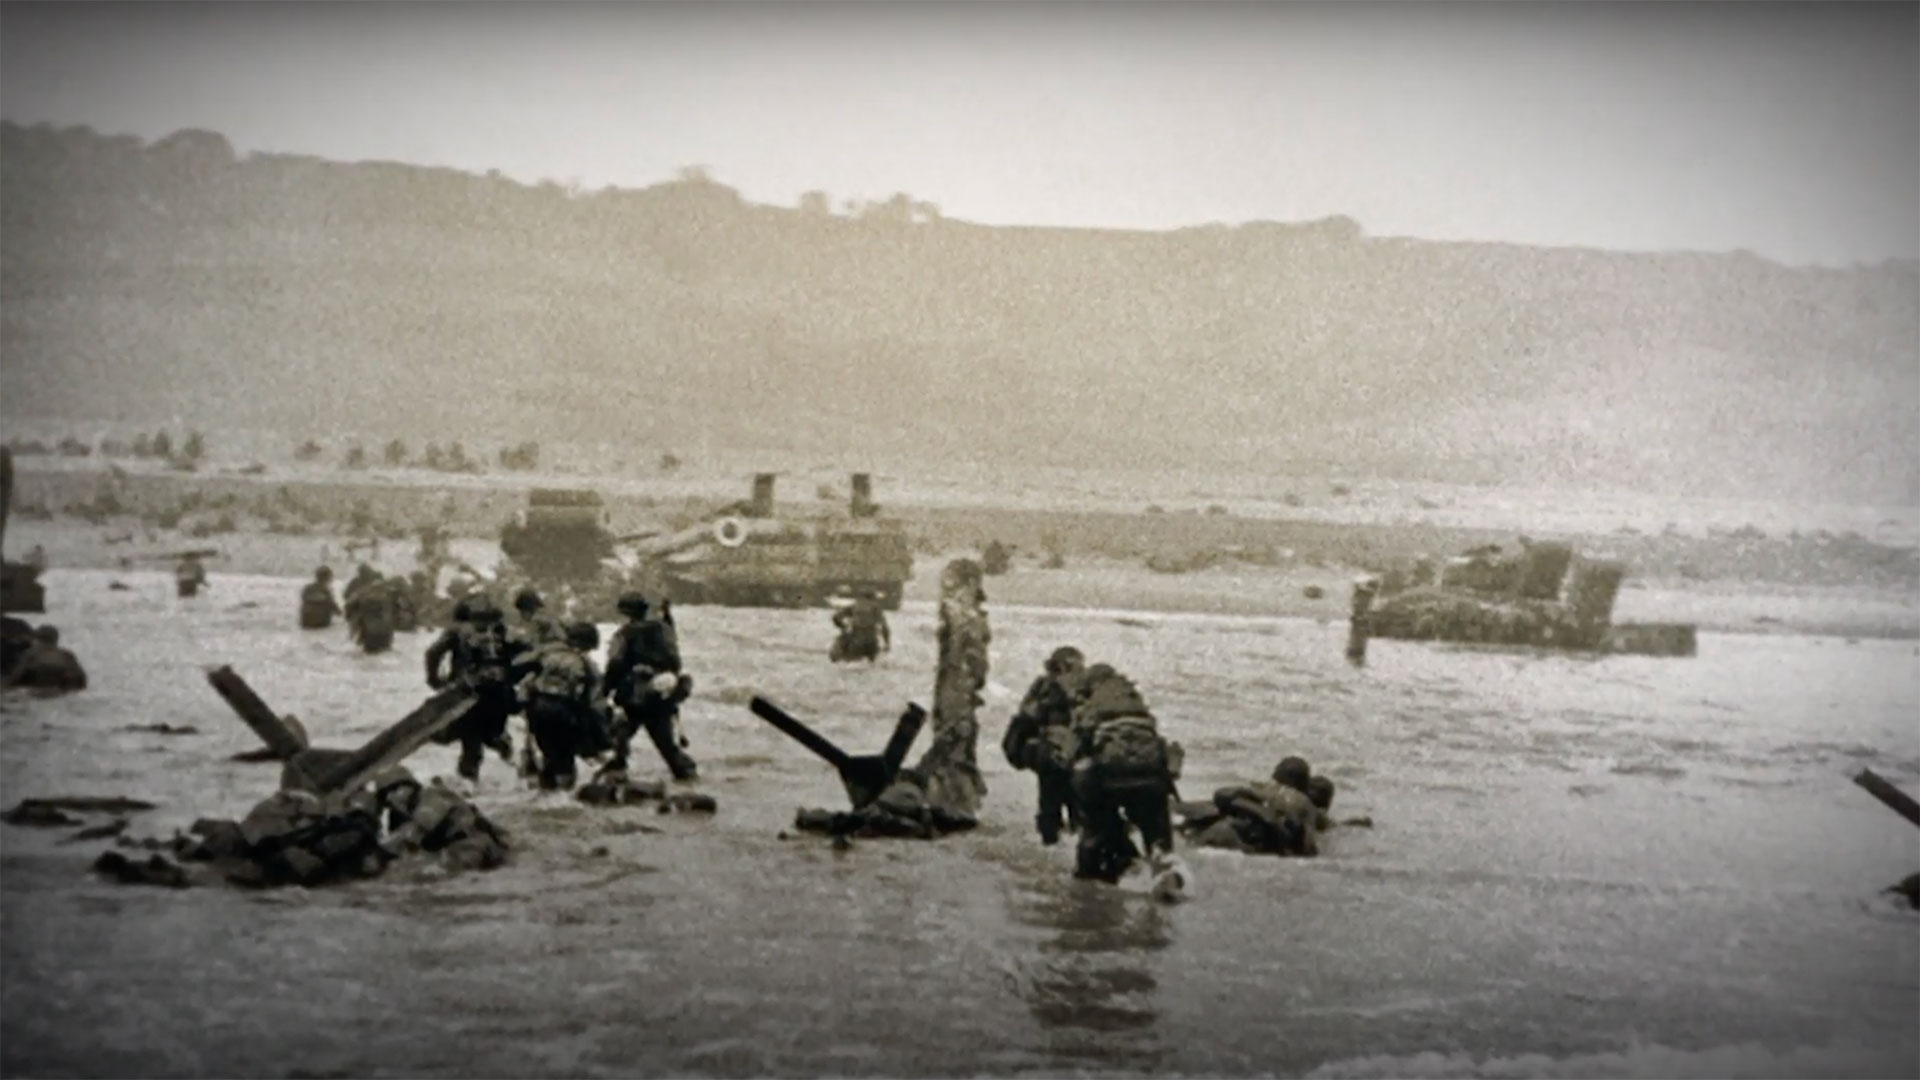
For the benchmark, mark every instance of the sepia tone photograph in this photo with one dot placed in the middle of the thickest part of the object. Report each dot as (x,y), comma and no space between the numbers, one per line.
(1330,539)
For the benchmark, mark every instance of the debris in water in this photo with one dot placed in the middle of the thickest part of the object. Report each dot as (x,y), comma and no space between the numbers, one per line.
(155,871)
(99,832)
(164,729)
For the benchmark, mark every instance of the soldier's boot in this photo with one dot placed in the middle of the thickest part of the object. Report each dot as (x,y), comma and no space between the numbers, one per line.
(471,754)
(1049,828)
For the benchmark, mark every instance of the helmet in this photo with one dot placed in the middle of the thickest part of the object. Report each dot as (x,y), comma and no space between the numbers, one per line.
(1066,658)
(1320,793)
(482,609)
(325,573)
(527,600)
(583,635)
(1294,772)
(463,610)
(47,634)
(632,605)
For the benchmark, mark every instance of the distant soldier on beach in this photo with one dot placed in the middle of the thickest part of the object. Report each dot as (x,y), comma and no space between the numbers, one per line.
(864,633)
(363,578)
(1040,737)
(189,576)
(46,667)
(369,612)
(317,603)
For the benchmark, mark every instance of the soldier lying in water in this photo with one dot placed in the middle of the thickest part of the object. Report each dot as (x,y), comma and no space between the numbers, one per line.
(1278,817)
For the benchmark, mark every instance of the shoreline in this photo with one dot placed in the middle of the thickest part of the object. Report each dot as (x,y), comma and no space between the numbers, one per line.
(1090,584)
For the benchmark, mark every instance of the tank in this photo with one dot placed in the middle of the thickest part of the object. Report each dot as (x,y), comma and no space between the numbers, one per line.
(751,557)
(743,556)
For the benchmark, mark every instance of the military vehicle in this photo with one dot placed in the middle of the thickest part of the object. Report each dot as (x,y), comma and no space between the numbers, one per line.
(1539,596)
(20,588)
(741,556)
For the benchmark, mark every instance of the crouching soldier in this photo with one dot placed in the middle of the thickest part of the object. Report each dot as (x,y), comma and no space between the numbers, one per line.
(559,694)
(317,603)
(1121,776)
(47,668)
(1040,738)
(646,684)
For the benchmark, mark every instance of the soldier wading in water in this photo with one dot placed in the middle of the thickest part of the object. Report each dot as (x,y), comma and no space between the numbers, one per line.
(644,680)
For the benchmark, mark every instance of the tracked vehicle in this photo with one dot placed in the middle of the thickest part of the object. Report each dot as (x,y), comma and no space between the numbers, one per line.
(745,555)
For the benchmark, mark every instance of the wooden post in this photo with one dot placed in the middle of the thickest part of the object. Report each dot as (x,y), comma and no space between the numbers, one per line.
(282,738)
(1898,801)
(1357,633)
(953,775)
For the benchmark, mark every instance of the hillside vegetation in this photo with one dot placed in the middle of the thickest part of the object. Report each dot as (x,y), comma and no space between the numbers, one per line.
(173,282)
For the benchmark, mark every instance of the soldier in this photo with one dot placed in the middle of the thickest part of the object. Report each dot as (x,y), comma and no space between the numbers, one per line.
(559,691)
(536,628)
(1277,817)
(362,578)
(188,576)
(483,660)
(369,613)
(45,666)
(864,633)
(317,605)
(1040,737)
(446,648)
(1121,776)
(406,614)
(645,682)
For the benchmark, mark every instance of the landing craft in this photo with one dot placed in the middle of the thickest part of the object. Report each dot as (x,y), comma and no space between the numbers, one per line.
(743,556)
(1541,596)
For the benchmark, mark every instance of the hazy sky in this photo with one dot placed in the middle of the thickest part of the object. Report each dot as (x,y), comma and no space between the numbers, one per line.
(1790,130)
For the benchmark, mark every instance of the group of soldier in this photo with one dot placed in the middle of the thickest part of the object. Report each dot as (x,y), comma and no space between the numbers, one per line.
(543,670)
(1104,770)
(377,606)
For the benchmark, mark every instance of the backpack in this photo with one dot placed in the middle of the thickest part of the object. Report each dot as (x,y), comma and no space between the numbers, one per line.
(562,674)
(1127,750)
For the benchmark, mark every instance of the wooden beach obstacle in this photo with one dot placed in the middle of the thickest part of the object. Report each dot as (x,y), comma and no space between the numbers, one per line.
(865,776)
(1900,803)
(320,770)
(283,736)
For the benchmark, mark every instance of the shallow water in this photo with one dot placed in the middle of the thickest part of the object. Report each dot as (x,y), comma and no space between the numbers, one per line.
(1625,866)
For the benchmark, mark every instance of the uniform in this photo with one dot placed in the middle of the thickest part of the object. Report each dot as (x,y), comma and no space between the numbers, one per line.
(317,604)
(864,633)
(1040,738)
(641,653)
(559,690)
(45,666)
(370,616)
(1120,775)
(188,577)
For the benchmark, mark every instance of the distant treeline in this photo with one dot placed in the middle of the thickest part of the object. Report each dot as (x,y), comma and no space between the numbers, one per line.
(178,282)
